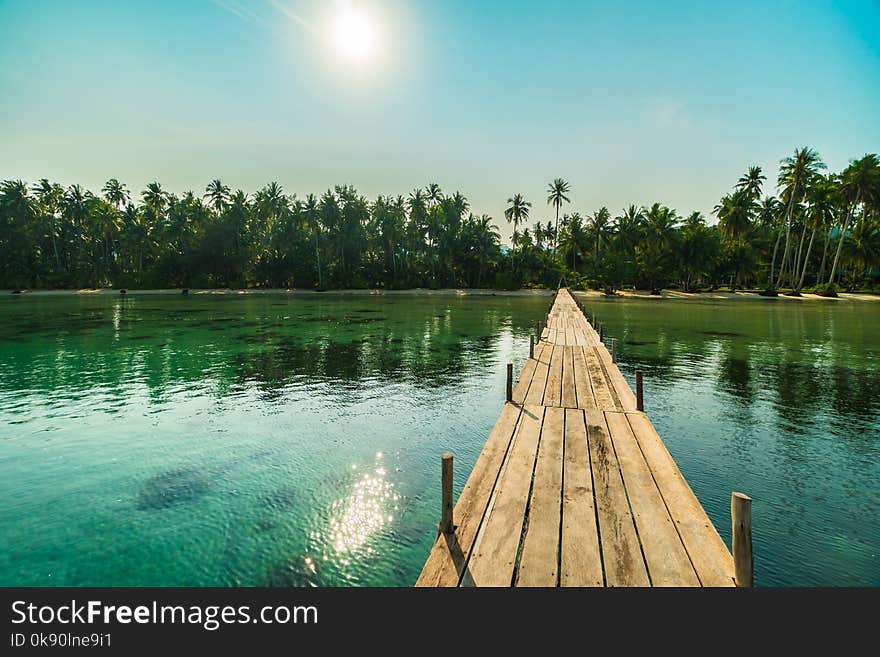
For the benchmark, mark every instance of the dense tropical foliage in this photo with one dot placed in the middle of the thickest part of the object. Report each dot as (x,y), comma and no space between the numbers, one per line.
(820,230)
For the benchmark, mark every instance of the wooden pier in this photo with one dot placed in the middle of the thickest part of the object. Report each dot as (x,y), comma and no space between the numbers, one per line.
(575,488)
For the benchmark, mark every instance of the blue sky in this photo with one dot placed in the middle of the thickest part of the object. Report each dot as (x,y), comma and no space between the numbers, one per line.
(629,101)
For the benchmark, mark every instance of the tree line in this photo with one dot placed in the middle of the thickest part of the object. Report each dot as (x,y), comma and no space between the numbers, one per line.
(819,231)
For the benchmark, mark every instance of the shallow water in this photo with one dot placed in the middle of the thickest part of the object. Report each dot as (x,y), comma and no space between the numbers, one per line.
(278,440)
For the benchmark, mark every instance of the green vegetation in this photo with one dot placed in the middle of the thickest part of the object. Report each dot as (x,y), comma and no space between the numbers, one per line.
(821,231)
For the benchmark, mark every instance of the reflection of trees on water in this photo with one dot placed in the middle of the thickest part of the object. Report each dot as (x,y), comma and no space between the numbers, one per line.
(339,344)
(808,363)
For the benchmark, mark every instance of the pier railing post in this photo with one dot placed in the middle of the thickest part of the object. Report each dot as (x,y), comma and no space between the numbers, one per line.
(613,350)
(743,557)
(640,395)
(446,526)
(601,333)
(540,331)
(532,347)
(510,382)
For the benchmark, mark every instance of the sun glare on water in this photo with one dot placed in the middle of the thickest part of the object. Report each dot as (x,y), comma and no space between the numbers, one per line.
(353,34)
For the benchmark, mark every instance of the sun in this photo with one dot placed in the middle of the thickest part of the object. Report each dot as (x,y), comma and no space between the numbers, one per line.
(353,34)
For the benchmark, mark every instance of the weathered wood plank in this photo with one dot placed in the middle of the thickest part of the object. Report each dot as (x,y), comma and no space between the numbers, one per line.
(710,557)
(496,547)
(667,559)
(535,395)
(625,395)
(525,379)
(580,559)
(569,392)
(621,554)
(605,399)
(582,382)
(553,391)
(450,552)
(538,565)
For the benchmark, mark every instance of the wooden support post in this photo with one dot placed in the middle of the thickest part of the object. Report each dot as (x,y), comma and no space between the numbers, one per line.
(446,526)
(532,347)
(640,396)
(743,558)
(510,382)
(613,350)
(540,331)
(601,333)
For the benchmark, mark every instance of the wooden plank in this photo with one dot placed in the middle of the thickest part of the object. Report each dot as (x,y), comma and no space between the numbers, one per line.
(580,560)
(569,392)
(525,379)
(450,552)
(496,548)
(601,389)
(553,391)
(710,557)
(535,395)
(538,564)
(621,554)
(625,395)
(665,555)
(583,386)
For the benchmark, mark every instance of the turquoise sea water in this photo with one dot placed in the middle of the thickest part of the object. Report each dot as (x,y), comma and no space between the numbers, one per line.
(284,440)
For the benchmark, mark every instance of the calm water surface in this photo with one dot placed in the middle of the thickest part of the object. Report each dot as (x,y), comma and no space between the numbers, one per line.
(279,440)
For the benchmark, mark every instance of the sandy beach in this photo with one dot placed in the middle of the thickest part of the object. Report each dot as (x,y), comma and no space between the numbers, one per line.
(448,292)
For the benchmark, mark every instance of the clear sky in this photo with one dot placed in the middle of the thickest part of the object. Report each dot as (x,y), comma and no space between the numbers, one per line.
(629,101)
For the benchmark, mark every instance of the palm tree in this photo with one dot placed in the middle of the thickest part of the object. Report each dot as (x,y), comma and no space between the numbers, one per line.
(538,233)
(795,175)
(600,226)
(751,182)
(116,193)
(657,247)
(517,212)
(698,248)
(820,213)
(574,238)
(155,199)
(735,213)
(434,194)
(863,248)
(860,183)
(312,215)
(628,228)
(50,197)
(557,195)
(219,195)
(735,220)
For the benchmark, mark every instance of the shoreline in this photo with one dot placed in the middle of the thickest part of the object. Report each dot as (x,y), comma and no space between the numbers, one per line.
(444,292)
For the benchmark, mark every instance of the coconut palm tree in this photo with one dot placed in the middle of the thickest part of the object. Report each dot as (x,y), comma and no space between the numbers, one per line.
(860,183)
(116,193)
(601,229)
(574,240)
(819,214)
(218,193)
(155,200)
(517,212)
(628,228)
(734,213)
(863,248)
(796,173)
(557,195)
(735,220)
(657,249)
(751,182)
(433,194)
